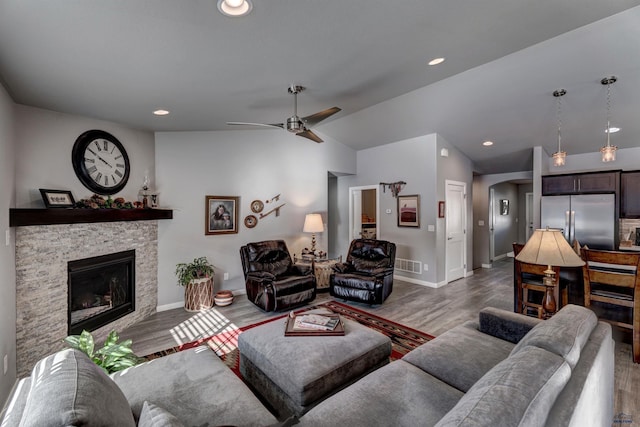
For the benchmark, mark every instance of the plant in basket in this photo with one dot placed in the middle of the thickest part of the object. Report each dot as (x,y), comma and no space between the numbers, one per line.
(197,279)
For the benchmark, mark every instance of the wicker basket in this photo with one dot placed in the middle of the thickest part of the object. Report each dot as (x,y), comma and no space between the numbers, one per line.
(198,294)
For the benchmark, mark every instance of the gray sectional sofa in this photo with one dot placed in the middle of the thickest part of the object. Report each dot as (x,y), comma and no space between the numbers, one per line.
(506,369)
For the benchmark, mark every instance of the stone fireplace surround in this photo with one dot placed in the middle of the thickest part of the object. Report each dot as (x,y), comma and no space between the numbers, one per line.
(42,254)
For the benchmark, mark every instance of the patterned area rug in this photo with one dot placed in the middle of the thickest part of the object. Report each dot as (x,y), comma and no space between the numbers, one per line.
(403,338)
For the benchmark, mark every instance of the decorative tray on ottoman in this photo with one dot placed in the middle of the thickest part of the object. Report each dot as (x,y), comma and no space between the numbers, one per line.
(303,325)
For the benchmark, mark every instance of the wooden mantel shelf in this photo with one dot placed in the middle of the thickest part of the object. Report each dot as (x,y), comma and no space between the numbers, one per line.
(26,217)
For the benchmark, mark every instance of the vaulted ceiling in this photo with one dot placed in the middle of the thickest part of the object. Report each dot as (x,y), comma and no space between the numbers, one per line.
(119,60)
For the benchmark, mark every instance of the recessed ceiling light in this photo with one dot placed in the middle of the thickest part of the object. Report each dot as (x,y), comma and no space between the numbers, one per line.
(612,129)
(161,112)
(487,143)
(436,61)
(234,7)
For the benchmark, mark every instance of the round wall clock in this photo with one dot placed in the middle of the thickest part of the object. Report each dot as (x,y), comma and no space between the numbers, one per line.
(100,161)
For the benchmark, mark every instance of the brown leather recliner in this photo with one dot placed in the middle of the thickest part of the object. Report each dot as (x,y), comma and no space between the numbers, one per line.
(367,274)
(273,281)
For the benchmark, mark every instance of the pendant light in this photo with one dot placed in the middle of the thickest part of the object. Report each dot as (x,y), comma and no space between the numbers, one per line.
(559,156)
(609,151)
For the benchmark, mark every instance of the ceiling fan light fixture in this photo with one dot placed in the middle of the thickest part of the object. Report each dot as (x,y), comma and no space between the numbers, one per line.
(559,157)
(609,151)
(235,8)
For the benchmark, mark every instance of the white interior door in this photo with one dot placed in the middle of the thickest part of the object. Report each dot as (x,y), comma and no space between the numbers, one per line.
(455,226)
(492,223)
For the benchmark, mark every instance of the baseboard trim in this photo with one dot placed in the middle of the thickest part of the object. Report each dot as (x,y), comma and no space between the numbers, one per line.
(179,304)
(418,282)
(173,305)
(487,265)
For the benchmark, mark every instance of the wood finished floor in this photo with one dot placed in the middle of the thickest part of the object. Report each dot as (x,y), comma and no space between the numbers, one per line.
(433,311)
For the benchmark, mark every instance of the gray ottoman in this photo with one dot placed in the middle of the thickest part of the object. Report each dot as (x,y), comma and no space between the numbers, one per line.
(295,373)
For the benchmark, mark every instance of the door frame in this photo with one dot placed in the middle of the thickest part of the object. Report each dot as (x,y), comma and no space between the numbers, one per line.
(352,190)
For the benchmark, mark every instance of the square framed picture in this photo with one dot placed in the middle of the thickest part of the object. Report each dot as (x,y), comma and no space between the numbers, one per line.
(221,214)
(57,198)
(409,211)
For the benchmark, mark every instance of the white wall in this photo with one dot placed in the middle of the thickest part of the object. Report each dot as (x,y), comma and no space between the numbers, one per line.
(505,227)
(43,154)
(7,252)
(253,164)
(481,184)
(417,162)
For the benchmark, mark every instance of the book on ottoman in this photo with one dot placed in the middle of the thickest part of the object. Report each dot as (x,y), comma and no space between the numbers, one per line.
(314,324)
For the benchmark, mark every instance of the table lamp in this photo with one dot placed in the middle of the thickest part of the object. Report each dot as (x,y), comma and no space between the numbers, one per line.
(549,247)
(313,224)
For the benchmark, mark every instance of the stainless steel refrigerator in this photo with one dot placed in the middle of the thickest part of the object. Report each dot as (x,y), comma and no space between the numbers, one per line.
(589,218)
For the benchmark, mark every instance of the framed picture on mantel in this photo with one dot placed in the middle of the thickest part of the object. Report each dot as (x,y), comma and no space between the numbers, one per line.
(57,198)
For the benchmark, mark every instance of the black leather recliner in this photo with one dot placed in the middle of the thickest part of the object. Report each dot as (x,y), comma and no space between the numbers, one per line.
(272,280)
(367,274)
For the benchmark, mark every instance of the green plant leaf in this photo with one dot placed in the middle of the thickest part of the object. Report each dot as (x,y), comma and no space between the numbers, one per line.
(112,357)
(86,343)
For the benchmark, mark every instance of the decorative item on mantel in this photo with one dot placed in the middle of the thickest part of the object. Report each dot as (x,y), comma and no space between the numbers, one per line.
(99,202)
(197,279)
(395,187)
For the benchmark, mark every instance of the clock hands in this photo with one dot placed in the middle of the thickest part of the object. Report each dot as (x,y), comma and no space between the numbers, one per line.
(105,162)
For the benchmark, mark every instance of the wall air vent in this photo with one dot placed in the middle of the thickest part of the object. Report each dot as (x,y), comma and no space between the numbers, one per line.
(408,265)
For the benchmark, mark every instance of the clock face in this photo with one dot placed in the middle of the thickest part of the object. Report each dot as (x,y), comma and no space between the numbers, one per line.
(100,162)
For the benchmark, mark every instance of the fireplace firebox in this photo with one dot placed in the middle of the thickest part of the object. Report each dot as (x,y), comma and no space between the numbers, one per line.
(101,290)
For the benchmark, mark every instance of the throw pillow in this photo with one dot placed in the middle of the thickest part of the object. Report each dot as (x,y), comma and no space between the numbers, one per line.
(155,416)
(68,389)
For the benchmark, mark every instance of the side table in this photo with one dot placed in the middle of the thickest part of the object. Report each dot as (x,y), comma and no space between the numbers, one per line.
(321,269)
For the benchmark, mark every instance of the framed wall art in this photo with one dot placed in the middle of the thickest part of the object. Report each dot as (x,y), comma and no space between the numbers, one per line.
(221,214)
(504,207)
(57,198)
(409,211)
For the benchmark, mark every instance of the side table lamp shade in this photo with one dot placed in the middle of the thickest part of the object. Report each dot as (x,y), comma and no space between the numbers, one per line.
(313,224)
(549,247)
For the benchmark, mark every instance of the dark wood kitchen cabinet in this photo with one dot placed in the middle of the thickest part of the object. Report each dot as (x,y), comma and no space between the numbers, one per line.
(630,194)
(583,183)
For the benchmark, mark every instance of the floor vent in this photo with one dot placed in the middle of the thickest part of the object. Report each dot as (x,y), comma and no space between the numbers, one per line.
(408,265)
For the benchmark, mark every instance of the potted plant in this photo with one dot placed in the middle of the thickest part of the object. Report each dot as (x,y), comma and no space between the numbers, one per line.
(197,279)
(112,357)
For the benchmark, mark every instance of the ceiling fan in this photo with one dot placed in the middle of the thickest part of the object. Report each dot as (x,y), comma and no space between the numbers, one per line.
(295,124)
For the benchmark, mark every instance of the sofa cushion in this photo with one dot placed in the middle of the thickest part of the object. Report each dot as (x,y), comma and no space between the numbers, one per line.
(196,387)
(460,356)
(398,394)
(519,391)
(14,408)
(564,334)
(155,416)
(68,389)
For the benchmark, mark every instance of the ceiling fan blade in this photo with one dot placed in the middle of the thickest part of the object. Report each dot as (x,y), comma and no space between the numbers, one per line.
(318,117)
(310,135)
(272,125)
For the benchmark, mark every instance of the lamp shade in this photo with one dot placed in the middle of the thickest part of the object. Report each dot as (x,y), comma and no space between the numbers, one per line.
(549,247)
(313,224)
